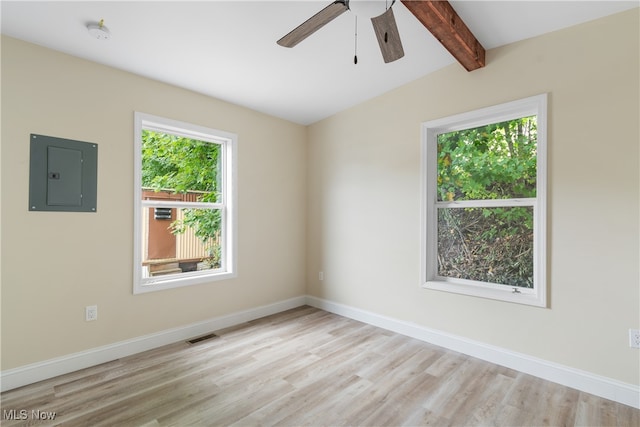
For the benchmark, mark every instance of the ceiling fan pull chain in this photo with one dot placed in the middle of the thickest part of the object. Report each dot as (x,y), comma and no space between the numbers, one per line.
(386,4)
(355,48)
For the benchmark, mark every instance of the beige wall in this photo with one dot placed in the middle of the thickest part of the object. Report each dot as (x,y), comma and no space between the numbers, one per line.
(364,199)
(54,264)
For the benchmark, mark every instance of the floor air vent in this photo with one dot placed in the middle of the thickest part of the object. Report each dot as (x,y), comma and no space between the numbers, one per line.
(202,338)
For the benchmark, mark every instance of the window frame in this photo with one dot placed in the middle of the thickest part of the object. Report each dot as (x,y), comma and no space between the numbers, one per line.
(227,204)
(429,278)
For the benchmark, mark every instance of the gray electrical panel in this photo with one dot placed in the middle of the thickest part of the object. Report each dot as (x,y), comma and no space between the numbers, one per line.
(63,175)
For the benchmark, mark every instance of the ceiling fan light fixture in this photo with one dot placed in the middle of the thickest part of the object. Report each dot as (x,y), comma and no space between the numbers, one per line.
(368,9)
(98,30)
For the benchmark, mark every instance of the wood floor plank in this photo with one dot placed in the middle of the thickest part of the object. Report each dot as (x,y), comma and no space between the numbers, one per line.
(490,401)
(331,411)
(470,395)
(391,408)
(137,409)
(307,367)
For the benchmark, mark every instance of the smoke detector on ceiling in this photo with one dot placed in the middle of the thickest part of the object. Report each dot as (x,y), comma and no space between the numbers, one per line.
(99,31)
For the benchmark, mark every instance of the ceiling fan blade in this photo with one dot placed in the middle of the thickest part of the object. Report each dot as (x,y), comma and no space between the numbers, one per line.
(388,37)
(314,23)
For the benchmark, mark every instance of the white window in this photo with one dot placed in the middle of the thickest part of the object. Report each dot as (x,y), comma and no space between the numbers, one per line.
(484,202)
(185,221)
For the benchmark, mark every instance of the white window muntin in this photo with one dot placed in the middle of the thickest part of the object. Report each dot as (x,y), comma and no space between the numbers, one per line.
(535,105)
(226,204)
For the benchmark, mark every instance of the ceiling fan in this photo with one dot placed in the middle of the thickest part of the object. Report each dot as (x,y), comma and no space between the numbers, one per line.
(438,16)
(384,27)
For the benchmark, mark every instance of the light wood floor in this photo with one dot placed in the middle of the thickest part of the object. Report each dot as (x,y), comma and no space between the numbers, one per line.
(307,367)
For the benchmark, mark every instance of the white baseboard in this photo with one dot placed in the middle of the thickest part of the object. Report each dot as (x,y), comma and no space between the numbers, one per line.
(607,388)
(28,374)
(590,383)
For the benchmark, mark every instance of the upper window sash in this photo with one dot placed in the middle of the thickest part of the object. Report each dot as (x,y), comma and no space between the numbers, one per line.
(199,133)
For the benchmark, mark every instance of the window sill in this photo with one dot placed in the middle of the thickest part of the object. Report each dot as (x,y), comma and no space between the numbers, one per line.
(159,284)
(497,292)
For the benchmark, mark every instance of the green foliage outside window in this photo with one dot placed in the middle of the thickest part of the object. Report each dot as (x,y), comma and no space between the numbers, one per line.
(496,161)
(492,162)
(182,165)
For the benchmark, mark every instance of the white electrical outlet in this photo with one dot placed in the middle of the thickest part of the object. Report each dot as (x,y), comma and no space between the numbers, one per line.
(321,276)
(634,338)
(91,313)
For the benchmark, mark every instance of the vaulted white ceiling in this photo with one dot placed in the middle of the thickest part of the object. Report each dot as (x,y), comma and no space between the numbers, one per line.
(228,50)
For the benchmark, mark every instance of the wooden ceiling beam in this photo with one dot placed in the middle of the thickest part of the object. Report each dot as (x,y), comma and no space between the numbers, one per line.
(444,23)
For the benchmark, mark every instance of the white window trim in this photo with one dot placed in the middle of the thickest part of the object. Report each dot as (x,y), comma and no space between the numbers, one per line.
(535,105)
(228,204)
